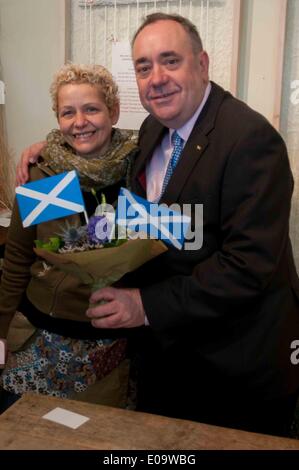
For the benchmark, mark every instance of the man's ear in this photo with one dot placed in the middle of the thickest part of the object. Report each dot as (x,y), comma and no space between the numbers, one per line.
(114,114)
(204,64)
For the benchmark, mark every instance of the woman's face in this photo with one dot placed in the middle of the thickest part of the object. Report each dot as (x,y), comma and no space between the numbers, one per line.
(84,119)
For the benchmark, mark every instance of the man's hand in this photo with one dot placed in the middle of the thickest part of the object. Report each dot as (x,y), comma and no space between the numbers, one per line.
(124,308)
(29,155)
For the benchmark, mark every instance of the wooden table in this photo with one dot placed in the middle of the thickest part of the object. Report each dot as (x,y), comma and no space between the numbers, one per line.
(22,427)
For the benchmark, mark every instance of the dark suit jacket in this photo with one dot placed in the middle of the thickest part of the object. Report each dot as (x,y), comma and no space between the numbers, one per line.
(228,310)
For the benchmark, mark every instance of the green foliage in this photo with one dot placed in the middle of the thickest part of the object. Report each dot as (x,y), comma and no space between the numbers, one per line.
(53,244)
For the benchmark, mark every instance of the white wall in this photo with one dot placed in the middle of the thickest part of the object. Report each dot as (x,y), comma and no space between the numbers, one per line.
(261,54)
(92,31)
(32,47)
(290,111)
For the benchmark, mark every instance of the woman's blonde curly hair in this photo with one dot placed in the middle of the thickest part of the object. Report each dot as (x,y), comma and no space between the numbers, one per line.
(92,74)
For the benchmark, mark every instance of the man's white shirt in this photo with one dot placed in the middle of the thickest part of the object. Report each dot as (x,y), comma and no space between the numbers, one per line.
(157,165)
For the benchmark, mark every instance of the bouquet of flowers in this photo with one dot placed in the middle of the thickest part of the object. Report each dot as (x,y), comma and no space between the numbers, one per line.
(89,253)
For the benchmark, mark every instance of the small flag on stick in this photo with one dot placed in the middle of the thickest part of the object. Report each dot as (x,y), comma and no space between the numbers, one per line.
(151,220)
(50,198)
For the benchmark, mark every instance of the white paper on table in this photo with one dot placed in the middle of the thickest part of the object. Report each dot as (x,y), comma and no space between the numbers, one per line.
(66,417)
(5,216)
(2,92)
(4,222)
(2,352)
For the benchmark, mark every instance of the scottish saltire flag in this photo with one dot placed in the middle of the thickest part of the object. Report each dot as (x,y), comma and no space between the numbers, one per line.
(50,198)
(151,220)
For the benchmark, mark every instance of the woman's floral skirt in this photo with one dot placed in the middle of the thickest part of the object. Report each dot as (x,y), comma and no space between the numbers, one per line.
(59,366)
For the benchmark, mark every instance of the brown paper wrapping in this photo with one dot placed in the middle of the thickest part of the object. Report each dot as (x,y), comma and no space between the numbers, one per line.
(104,266)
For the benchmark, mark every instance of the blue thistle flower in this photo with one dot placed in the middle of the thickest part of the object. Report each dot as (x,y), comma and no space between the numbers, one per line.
(72,234)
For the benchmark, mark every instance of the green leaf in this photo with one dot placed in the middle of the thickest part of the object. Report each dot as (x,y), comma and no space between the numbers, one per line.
(103,199)
(53,244)
(94,193)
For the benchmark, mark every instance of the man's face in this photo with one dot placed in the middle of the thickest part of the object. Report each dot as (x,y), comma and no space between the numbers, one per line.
(171,78)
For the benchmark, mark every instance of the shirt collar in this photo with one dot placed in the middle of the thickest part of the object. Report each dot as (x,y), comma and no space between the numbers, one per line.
(185,131)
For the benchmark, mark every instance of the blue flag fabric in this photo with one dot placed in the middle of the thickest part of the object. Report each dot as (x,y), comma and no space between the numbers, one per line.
(50,198)
(151,220)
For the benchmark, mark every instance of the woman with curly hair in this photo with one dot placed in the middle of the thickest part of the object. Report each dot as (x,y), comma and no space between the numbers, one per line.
(65,356)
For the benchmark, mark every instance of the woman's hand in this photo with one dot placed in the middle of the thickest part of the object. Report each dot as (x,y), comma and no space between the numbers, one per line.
(29,155)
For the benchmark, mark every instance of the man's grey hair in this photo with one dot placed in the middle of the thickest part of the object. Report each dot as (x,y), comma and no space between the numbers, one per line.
(189,27)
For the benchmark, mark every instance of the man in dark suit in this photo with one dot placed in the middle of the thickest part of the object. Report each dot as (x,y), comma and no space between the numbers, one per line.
(221,318)
(218,322)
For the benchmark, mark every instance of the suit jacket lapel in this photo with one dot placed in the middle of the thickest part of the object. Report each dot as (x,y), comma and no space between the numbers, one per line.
(195,146)
(193,150)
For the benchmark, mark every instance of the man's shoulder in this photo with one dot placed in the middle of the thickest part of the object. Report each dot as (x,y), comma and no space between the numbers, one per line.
(150,127)
(236,119)
(234,111)
(227,113)
(149,122)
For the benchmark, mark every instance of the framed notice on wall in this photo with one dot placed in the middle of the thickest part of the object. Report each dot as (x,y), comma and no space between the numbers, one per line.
(132,112)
